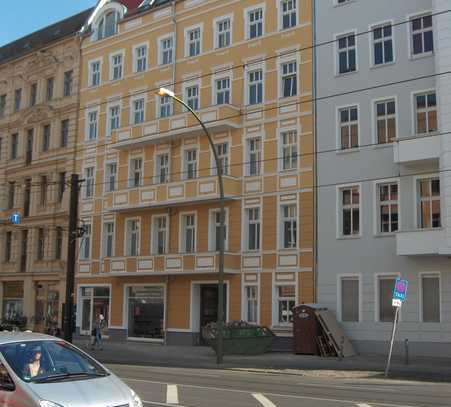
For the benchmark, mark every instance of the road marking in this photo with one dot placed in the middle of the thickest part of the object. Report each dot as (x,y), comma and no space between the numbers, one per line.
(172,394)
(263,400)
(363,405)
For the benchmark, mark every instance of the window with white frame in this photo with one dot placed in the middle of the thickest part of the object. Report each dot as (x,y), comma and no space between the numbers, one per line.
(108,239)
(166,50)
(289,150)
(285,300)
(255,23)
(192,96)
(114,115)
(426,112)
(190,164)
(385,121)
(193,38)
(430,298)
(387,200)
(215,222)
(162,168)
(107,25)
(254,156)
(132,237)
(222,151)
(110,177)
(189,233)
(135,177)
(349,127)
(89,182)
(347,54)
(251,303)
(350,301)
(253,228)
(92,124)
(382,44)
(140,58)
(422,35)
(222,87)
(160,234)
(255,84)
(94,73)
(138,110)
(385,292)
(288,226)
(428,192)
(223,33)
(85,246)
(289,13)
(165,106)
(350,211)
(289,83)
(116,67)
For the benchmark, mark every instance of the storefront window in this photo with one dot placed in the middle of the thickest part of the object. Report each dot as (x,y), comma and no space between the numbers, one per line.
(146,312)
(12,301)
(47,304)
(95,301)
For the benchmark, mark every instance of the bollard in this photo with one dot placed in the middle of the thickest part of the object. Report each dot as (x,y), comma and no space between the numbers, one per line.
(406,351)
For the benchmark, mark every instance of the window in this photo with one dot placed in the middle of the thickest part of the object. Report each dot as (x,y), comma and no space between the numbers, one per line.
(383,44)
(350,211)
(85,247)
(17,99)
(27,198)
(286,300)
(428,190)
(350,299)
(222,91)
(254,156)
(160,235)
(46,137)
(141,58)
(138,111)
(255,23)
(11,194)
(68,83)
(114,115)
(422,35)
(43,187)
(349,127)
(289,79)
(388,207)
(135,172)
(24,251)
(132,237)
(33,93)
(386,310)
(251,303)
(289,13)
(110,177)
(346,54)
(215,222)
(107,26)
(426,112)
(95,72)
(8,246)
(14,146)
(189,233)
(1,148)
(108,239)
(386,121)
(30,141)
(192,97)
(289,226)
(92,124)
(193,42)
(253,228)
(61,185)
(339,2)
(190,164)
(166,50)
(50,88)
(40,245)
(223,33)
(289,151)
(222,150)
(430,298)
(116,67)
(59,243)
(165,106)
(162,168)
(2,105)
(64,133)
(255,79)
(89,182)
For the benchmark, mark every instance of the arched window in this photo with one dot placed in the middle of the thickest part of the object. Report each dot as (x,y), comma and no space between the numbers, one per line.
(107,25)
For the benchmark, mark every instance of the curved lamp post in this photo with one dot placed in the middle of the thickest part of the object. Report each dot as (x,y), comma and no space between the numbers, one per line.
(220,323)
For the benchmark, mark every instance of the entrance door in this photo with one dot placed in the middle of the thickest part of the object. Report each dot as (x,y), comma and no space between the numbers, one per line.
(209,305)
(86,317)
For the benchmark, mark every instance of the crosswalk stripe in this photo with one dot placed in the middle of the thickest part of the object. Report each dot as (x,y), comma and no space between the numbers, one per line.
(363,405)
(263,400)
(172,395)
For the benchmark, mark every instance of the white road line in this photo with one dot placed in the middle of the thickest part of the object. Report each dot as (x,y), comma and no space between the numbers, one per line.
(363,405)
(263,400)
(172,394)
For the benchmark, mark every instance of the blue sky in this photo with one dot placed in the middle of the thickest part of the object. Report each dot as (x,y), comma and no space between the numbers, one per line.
(21,18)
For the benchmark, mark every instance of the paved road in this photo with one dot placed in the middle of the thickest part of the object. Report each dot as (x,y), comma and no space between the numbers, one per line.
(159,386)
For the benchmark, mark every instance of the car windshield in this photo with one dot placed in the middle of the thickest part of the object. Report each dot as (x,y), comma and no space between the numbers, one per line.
(45,361)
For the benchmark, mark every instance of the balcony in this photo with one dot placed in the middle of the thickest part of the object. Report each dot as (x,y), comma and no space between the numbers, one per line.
(201,190)
(217,119)
(416,150)
(420,242)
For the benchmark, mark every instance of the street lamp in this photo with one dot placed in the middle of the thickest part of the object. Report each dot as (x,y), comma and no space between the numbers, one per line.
(220,323)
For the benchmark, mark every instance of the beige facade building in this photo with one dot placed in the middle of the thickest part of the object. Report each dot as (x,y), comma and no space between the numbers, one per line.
(38,118)
(148,261)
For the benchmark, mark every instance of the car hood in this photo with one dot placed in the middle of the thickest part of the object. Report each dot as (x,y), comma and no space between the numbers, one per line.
(99,392)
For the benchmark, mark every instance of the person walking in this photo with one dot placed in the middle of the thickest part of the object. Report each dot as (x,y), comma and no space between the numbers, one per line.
(97,332)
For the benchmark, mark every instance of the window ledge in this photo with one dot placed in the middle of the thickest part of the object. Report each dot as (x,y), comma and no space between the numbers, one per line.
(421,56)
(348,151)
(349,237)
(382,146)
(388,234)
(345,74)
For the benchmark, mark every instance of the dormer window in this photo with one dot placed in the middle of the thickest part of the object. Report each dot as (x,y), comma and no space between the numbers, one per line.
(107,25)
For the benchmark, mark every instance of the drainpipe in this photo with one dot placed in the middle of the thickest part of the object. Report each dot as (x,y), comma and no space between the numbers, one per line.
(174,59)
(315,157)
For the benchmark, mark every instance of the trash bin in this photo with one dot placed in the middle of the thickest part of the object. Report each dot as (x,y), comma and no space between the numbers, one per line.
(305,330)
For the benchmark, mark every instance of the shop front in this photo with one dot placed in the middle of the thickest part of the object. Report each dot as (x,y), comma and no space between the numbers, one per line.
(13,301)
(46,318)
(93,302)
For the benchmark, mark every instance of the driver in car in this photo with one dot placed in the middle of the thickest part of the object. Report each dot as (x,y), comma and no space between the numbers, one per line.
(33,368)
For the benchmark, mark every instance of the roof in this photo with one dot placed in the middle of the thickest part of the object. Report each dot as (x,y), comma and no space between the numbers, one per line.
(131,4)
(44,37)
(11,337)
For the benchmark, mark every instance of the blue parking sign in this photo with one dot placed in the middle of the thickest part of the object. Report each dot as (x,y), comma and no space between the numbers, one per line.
(400,290)
(15,218)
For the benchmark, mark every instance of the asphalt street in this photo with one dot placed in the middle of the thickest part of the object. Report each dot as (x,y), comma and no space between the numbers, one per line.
(159,386)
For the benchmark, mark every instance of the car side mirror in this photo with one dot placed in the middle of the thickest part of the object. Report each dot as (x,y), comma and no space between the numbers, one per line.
(7,386)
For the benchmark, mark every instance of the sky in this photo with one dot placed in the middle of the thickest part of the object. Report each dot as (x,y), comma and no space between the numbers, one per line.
(22,18)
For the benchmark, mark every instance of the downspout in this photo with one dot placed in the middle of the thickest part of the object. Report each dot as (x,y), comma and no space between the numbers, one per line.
(315,156)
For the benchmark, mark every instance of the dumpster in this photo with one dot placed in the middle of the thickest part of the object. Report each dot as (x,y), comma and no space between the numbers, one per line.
(306,329)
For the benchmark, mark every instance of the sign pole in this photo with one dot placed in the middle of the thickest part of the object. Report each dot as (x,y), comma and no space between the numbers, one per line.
(387,368)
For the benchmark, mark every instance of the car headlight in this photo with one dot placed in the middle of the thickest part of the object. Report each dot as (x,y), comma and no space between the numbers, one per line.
(136,400)
(46,403)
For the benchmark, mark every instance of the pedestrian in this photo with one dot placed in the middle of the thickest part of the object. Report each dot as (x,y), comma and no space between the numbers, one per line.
(96,333)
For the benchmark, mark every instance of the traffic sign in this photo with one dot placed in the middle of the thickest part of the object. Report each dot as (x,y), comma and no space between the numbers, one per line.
(400,290)
(15,218)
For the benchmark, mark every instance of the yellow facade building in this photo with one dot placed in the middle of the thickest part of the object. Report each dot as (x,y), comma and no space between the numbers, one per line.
(149,201)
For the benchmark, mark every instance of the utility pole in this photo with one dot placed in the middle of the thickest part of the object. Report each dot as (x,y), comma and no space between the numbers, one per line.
(71,252)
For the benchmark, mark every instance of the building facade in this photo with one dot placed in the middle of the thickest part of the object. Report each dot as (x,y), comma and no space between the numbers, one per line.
(148,260)
(38,118)
(383,123)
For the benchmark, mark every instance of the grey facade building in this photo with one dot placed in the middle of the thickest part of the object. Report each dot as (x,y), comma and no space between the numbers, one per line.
(384,168)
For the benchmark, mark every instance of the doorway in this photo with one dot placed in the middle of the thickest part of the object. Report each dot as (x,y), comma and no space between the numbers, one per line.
(94,301)
(209,306)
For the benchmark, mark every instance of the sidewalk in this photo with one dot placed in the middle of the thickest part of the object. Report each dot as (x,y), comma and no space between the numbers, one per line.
(149,354)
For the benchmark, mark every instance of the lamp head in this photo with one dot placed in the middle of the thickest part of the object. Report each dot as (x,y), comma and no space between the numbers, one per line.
(166,92)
